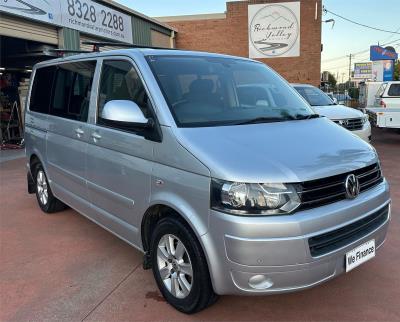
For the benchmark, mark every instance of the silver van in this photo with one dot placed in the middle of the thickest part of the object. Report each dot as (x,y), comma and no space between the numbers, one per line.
(213,166)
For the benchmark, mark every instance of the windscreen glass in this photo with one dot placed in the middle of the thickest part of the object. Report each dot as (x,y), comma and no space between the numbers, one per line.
(212,91)
(314,96)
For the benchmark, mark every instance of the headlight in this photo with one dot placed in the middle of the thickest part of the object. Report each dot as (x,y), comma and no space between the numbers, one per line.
(253,198)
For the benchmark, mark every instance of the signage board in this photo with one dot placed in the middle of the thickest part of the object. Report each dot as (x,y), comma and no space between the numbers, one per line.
(274,30)
(363,70)
(380,53)
(83,15)
(382,70)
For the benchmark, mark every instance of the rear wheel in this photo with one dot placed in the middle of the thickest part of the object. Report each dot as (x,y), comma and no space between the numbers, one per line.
(47,202)
(180,267)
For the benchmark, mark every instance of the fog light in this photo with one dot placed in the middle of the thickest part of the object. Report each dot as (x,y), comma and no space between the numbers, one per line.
(260,282)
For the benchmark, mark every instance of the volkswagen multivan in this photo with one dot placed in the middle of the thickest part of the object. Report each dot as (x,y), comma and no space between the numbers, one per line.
(213,166)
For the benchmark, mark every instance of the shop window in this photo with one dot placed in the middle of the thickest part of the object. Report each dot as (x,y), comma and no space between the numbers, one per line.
(120,81)
(72,88)
(41,89)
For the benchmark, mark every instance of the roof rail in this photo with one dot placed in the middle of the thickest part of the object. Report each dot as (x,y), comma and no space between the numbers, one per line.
(61,52)
(97,45)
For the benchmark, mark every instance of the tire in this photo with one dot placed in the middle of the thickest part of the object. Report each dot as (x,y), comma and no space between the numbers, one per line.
(192,293)
(46,200)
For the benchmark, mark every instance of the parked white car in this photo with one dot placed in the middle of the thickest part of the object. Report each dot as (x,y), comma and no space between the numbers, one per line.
(350,118)
(388,95)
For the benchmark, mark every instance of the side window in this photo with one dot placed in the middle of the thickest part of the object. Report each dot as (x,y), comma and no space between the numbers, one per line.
(71,90)
(120,81)
(41,89)
(394,90)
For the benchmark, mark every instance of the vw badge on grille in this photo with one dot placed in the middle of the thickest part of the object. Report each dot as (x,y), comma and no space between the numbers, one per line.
(352,186)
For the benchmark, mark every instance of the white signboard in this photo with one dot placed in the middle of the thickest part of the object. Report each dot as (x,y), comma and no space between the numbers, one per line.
(42,10)
(274,30)
(83,15)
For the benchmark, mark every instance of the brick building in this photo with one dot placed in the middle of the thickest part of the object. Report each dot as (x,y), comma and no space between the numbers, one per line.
(228,33)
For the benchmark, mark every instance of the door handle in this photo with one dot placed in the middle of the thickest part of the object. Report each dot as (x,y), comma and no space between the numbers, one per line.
(96,136)
(79,132)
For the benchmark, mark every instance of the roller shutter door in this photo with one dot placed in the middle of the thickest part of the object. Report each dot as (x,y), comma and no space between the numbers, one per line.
(26,29)
(84,38)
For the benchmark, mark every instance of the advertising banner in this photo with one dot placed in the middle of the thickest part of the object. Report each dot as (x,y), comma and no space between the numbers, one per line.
(380,53)
(363,70)
(274,30)
(388,70)
(83,15)
(382,70)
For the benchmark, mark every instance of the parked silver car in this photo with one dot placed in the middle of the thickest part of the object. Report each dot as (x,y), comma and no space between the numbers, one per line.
(228,187)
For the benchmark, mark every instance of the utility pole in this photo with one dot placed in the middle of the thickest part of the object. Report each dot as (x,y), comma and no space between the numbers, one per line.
(349,69)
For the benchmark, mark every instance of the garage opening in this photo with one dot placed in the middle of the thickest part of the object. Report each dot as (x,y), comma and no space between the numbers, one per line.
(17,57)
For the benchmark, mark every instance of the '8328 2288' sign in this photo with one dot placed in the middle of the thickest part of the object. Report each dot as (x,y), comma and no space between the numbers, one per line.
(93,18)
(274,30)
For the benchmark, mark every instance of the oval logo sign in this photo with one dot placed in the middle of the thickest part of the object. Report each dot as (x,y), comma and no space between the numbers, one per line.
(274,30)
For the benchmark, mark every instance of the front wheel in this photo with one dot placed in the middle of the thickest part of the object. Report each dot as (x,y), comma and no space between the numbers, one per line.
(180,267)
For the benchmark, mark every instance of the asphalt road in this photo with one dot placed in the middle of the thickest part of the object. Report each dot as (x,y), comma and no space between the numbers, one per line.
(63,267)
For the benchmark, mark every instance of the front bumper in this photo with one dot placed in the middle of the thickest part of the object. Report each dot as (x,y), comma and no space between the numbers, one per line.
(364,133)
(264,255)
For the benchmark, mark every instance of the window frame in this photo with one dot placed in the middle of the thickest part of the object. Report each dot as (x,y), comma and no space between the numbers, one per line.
(152,134)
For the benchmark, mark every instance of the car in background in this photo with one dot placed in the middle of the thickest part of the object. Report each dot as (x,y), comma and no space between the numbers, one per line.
(342,98)
(351,119)
(388,95)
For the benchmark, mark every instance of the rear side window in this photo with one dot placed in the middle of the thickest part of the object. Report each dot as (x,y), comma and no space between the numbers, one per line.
(394,90)
(71,90)
(41,89)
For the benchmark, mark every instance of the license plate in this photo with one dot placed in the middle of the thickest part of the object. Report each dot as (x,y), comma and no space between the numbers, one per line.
(360,255)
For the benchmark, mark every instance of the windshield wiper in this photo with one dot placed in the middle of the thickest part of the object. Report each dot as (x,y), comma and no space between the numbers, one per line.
(262,119)
(307,117)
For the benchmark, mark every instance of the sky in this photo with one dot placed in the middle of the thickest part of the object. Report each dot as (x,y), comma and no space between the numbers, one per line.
(343,39)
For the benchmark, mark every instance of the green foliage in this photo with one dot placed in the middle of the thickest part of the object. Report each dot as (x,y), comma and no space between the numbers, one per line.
(331,80)
(396,70)
(354,92)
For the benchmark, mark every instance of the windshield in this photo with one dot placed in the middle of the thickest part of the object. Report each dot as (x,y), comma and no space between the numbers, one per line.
(212,91)
(314,96)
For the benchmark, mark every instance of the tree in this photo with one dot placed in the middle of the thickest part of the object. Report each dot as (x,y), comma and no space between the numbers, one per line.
(396,70)
(331,80)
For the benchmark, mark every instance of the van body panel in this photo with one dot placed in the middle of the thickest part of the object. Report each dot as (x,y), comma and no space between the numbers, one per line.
(66,154)
(119,167)
(292,151)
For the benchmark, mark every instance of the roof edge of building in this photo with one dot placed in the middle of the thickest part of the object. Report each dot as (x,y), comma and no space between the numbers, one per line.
(209,16)
(136,13)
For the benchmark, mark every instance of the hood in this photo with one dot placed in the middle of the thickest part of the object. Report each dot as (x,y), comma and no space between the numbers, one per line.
(338,112)
(290,151)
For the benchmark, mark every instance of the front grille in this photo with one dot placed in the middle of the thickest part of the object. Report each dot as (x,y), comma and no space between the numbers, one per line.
(324,191)
(351,124)
(335,239)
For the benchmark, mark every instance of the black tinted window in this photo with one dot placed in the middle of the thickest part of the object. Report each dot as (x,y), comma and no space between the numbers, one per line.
(394,90)
(41,89)
(120,81)
(71,90)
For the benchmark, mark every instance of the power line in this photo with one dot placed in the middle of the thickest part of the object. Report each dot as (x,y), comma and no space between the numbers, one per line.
(358,53)
(360,24)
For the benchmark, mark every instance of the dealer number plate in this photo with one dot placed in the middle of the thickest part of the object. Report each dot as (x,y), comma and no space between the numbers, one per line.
(360,255)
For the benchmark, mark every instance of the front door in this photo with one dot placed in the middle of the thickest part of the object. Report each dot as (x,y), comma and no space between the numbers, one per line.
(119,161)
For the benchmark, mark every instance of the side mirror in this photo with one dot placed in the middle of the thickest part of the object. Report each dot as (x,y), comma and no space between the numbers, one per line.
(126,114)
(335,101)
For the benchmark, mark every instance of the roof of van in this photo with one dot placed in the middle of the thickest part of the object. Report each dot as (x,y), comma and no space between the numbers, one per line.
(143,51)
